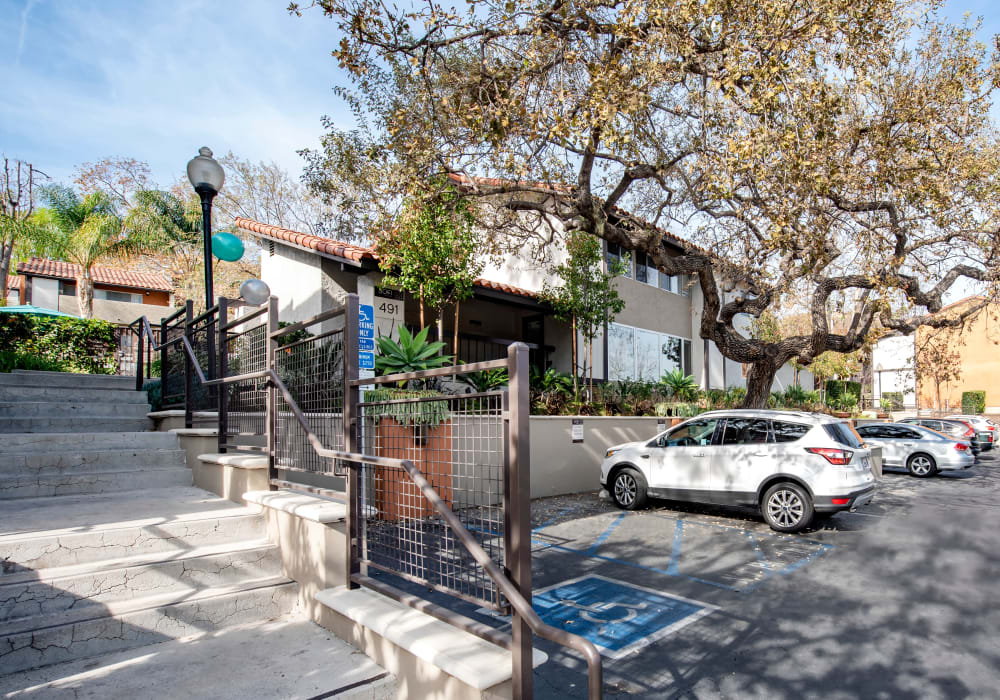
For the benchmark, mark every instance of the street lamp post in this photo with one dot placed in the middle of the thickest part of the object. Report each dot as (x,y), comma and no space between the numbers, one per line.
(207,178)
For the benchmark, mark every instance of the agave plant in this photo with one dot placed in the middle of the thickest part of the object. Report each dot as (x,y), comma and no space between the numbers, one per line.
(682,386)
(412,353)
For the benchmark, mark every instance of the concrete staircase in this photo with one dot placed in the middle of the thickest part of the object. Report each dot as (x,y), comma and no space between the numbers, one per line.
(106,548)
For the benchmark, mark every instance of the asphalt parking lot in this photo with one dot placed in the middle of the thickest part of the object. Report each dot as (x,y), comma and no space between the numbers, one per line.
(897,600)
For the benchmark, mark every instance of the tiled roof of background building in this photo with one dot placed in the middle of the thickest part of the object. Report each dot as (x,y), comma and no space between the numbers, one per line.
(41,267)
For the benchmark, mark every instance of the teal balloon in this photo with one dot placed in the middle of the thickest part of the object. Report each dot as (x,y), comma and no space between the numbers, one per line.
(226,246)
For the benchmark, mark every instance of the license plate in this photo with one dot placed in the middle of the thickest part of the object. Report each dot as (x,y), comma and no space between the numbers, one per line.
(866,462)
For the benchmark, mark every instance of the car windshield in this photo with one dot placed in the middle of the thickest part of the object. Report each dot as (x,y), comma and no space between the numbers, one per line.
(842,433)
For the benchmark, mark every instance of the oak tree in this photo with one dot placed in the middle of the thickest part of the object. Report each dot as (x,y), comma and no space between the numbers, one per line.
(831,151)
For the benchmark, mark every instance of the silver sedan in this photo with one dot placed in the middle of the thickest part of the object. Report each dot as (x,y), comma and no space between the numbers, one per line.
(924,452)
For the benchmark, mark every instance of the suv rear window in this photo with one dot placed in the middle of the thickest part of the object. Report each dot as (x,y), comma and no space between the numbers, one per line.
(842,433)
(788,432)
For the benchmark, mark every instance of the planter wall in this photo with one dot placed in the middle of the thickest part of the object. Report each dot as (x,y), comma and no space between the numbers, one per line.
(430,450)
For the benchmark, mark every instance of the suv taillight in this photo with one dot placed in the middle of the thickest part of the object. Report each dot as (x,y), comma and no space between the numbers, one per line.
(833,455)
(970,433)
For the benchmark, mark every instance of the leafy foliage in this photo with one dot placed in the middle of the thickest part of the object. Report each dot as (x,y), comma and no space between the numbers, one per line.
(412,413)
(15,359)
(489,379)
(65,344)
(682,386)
(973,402)
(895,399)
(412,353)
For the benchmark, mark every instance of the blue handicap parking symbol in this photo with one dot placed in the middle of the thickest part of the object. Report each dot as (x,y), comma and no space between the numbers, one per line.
(617,617)
(366,321)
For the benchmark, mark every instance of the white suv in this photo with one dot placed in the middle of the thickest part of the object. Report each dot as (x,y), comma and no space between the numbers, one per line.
(791,465)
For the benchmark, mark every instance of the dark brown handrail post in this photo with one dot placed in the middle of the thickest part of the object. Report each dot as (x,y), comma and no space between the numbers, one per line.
(271,393)
(350,416)
(163,356)
(138,358)
(222,318)
(188,368)
(517,515)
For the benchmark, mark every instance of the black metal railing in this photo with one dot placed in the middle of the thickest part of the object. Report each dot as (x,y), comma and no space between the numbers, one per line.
(437,487)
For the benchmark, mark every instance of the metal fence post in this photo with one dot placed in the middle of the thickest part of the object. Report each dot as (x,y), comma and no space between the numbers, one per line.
(138,360)
(350,418)
(271,393)
(517,514)
(188,367)
(221,319)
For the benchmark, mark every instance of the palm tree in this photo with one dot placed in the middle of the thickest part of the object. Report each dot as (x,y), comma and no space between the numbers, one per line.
(87,231)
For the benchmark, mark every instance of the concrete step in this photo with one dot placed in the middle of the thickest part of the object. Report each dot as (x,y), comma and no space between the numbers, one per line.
(136,478)
(68,462)
(45,393)
(74,442)
(66,379)
(40,593)
(40,424)
(96,630)
(44,533)
(72,409)
(249,661)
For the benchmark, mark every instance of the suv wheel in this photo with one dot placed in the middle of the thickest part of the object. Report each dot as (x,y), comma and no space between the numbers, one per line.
(921,465)
(629,489)
(787,507)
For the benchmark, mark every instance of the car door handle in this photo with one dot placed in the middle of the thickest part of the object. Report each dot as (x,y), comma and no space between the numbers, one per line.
(759,454)
(907,444)
(644,456)
(699,454)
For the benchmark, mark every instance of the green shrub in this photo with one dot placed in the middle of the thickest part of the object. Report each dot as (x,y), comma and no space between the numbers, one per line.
(153,394)
(677,410)
(72,344)
(682,386)
(838,388)
(428,413)
(973,402)
(14,359)
(895,399)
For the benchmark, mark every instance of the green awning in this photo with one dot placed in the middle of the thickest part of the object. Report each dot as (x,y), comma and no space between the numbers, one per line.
(33,310)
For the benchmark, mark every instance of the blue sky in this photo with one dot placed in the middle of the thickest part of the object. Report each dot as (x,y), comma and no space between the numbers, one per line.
(156,79)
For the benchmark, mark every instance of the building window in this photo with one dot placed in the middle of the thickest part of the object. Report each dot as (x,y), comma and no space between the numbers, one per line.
(67,288)
(615,253)
(635,353)
(109,295)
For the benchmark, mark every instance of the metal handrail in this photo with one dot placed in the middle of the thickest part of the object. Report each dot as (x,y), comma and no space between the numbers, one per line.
(595,670)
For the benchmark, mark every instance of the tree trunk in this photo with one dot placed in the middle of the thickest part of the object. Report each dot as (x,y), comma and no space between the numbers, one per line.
(759,381)
(454,348)
(590,350)
(440,326)
(5,253)
(85,298)
(576,395)
(421,298)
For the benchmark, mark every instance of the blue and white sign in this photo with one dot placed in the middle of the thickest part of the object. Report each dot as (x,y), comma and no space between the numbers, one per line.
(617,617)
(366,344)
(366,360)
(366,321)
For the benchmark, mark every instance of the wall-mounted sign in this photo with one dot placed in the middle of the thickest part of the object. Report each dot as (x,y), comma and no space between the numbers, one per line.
(366,360)
(661,424)
(366,344)
(576,430)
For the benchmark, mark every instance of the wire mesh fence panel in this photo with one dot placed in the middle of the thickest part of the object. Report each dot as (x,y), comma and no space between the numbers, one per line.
(313,370)
(458,444)
(246,352)
(204,341)
(172,364)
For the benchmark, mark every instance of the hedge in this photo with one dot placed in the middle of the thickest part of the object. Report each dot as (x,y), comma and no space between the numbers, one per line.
(895,398)
(973,402)
(58,344)
(835,388)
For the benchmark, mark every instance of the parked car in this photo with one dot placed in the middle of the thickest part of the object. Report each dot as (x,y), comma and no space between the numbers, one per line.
(986,428)
(959,430)
(923,451)
(791,465)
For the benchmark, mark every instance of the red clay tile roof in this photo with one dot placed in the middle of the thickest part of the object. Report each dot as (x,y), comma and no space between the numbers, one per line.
(351,252)
(41,267)
(13,282)
(306,240)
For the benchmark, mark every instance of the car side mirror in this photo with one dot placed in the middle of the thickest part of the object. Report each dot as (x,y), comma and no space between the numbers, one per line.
(661,442)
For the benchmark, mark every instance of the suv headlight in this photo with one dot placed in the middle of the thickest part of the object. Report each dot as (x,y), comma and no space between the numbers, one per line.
(612,451)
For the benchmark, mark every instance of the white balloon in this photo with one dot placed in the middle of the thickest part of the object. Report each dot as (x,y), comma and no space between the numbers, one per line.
(255,292)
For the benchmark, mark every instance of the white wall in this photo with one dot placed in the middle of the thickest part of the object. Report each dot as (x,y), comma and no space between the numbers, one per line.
(13,297)
(296,278)
(45,293)
(892,368)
